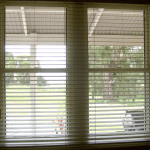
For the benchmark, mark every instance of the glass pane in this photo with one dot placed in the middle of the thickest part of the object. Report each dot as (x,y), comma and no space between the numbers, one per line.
(111,96)
(35,104)
(116,38)
(116,99)
(35,37)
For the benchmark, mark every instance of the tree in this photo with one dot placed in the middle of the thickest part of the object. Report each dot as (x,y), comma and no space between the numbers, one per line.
(24,78)
(9,63)
(21,62)
(114,86)
(41,81)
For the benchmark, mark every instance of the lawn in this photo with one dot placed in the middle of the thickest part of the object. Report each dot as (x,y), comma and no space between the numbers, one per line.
(47,106)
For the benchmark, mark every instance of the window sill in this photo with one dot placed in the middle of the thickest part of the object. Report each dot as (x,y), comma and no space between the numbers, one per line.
(106,146)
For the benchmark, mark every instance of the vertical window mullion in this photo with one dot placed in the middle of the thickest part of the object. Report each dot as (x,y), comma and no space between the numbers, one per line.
(77,65)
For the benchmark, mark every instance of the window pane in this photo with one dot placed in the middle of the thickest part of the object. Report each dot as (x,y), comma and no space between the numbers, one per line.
(35,46)
(111,97)
(116,99)
(35,34)
(116,38)
(35,104)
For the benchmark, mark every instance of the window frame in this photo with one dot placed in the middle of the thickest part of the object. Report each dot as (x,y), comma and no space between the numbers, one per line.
(87,70)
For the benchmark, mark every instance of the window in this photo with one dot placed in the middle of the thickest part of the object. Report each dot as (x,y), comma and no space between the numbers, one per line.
(73,73)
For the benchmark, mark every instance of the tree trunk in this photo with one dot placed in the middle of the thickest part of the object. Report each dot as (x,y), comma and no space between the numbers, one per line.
(107,77)
(107,85)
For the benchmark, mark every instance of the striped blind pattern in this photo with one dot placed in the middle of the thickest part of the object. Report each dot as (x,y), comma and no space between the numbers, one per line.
(73,74)
(118,85)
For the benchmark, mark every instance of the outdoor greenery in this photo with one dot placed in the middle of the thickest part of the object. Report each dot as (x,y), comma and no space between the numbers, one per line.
(23,77)
(104,87)
(115,86)
(114,89)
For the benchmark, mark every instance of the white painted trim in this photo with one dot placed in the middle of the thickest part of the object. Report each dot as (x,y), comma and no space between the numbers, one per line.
(95,21)
(24,20)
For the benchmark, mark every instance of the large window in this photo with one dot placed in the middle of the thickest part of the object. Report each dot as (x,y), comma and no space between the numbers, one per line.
(73,74)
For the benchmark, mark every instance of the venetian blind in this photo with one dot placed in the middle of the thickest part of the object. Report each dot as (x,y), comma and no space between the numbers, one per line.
(35,77)
(118,84)
(73,73)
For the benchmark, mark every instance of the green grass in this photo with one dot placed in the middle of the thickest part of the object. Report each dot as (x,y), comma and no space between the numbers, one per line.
(18,99)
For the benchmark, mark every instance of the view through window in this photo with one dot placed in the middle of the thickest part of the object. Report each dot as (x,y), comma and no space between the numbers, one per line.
(36,89)
(116,97)
(75,75)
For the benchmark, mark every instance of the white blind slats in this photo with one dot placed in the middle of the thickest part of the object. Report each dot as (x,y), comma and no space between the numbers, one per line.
(110,47)
(35,92)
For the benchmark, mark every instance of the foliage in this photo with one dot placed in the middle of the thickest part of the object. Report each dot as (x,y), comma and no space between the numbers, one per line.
(9,63)
(113,86)
(41,81)
(21,61)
